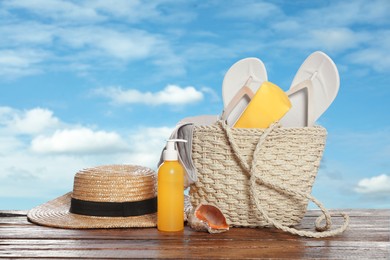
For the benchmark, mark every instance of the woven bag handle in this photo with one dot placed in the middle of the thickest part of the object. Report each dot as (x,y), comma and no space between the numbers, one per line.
(255,178)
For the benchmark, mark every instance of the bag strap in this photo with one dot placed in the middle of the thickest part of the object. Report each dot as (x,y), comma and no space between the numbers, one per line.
(255,178)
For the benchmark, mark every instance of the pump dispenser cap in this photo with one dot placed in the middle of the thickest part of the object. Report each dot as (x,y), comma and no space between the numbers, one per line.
(170,153)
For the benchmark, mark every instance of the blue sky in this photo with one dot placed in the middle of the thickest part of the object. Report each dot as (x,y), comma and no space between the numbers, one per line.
(85,83)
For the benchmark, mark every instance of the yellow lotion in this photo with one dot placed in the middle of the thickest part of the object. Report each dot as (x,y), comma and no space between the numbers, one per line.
(170,191)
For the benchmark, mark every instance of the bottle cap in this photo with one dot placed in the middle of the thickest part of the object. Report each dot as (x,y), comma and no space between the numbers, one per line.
(170,153)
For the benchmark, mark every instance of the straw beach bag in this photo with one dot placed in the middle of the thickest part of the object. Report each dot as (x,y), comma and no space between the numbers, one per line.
(260,177)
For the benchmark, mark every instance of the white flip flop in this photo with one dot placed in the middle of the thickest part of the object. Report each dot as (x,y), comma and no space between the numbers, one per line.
(240,83)
(312,91)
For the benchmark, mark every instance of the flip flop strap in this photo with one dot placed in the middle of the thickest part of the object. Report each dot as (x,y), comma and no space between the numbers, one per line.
(255,178)
(308,85)
(243,91)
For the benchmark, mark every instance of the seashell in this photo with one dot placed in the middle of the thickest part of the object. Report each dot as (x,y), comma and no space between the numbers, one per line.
(209,218)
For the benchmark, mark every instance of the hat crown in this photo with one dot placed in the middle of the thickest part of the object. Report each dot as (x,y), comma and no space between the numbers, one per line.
(115,183)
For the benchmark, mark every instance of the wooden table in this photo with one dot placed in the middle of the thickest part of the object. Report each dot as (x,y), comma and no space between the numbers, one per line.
(368,237)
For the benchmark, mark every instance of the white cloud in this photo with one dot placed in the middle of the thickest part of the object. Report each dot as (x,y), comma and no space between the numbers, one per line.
(21,62)
(10,144)
(329,39)
(35,121)
(136,11)
(346,28)
(251,11)
(99,10)
(350,13)
(132,11)
(147,144)
(123,45)
(20,34)
(79,141)
(56,9)
(5,113)
(170,95)
(376,54)
(105,32)
(375,57)
(337,39)
(42,166)
(377,185)
(79,33)
(10,58)
(31,121)
(48,134)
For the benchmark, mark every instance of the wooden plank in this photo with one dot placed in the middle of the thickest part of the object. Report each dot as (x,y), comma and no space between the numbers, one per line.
(360,229)
(174,248)
(367,238)
(32,232)
(354,212)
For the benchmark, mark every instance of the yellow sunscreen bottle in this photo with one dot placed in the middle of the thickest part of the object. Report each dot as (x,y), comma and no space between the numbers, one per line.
(170,190)
(269,104)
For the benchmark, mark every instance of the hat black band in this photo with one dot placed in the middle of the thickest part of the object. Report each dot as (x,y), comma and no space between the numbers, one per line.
(113,209)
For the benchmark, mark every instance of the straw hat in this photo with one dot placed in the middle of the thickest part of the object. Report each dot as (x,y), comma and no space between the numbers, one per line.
(110,196)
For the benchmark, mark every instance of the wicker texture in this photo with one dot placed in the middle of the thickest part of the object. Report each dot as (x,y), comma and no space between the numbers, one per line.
(108,183)
(260,177)
(115,183)
(289,157)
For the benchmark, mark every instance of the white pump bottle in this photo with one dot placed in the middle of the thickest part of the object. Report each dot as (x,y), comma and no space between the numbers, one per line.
(170,190)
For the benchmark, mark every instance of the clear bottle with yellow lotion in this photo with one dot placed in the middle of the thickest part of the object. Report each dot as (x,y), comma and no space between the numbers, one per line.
(170,190)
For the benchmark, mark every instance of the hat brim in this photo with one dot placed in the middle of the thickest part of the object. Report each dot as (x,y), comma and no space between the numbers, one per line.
(55,213)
